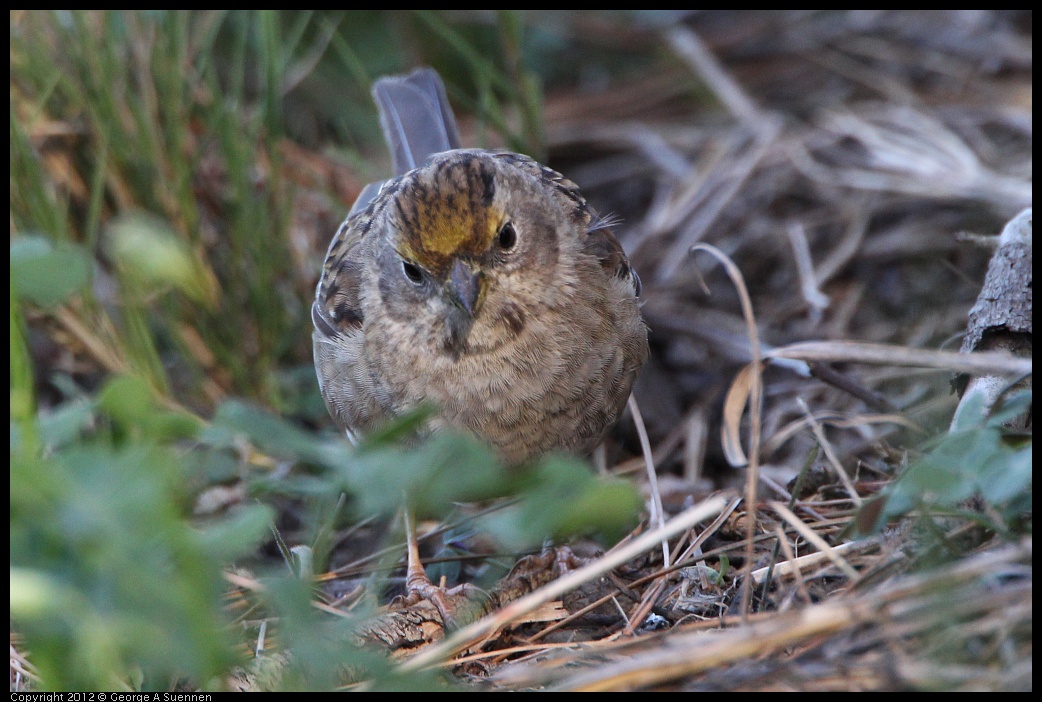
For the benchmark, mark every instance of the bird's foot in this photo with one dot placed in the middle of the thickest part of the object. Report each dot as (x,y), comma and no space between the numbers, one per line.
(457,605)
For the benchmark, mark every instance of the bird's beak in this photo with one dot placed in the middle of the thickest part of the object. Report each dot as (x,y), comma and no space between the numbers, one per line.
(466,288)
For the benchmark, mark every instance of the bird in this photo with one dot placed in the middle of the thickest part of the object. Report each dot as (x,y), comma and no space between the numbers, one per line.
(479,283)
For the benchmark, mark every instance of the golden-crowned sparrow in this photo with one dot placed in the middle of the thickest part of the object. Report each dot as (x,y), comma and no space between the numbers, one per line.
(480,283)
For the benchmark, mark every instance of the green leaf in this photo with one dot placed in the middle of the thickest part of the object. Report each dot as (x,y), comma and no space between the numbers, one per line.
(563,498)
(66,422)
(132,404)
(107,575)
(444,469)
(37,595)
(267,431)
(1015,405)
(1008,475)
(148,252)
(978,459)
(48,272)
(238,534)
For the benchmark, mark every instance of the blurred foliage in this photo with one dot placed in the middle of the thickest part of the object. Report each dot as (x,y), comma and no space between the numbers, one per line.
(106,574)
(561,497)
(979,459)
(46,272)
(564,498)
(114,584)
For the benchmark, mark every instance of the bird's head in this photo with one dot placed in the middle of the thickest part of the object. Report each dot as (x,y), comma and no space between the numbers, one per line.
(472,249)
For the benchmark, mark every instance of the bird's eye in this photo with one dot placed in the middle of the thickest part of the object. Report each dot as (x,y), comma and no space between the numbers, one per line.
(412,272)
(507,236)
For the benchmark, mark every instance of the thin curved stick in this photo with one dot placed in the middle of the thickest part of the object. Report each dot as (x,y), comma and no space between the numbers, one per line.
(658,517)
(755,421)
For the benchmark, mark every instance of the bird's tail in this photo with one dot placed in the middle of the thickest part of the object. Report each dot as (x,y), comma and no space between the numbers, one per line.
(416,117)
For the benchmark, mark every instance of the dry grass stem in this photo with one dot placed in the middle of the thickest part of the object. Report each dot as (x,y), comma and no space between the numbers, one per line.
(473,633)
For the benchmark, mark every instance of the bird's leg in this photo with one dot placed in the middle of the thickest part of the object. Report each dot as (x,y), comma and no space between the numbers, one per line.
(418,587)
